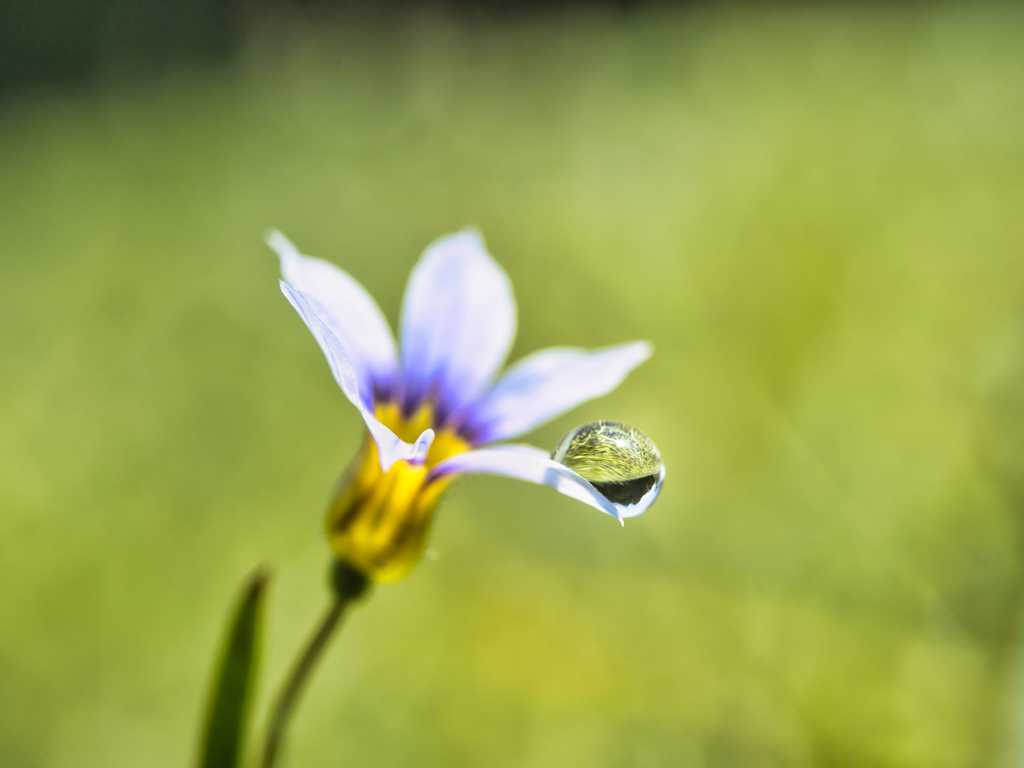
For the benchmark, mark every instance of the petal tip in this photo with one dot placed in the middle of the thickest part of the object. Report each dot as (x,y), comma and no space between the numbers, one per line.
(283,247)
(277,241)
(467,242)
(645,503)
(643,350)
(473,233)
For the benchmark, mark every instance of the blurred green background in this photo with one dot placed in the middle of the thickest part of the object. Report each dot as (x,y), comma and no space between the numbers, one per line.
(814,212)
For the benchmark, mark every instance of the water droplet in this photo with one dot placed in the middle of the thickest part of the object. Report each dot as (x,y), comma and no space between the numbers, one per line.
(620,461)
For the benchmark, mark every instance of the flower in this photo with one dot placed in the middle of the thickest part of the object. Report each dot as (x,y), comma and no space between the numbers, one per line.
(429,412)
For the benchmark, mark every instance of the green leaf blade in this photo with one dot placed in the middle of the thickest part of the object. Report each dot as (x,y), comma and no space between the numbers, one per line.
(234,683)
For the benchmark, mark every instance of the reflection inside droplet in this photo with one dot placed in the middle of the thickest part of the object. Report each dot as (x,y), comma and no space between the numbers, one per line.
(620,461)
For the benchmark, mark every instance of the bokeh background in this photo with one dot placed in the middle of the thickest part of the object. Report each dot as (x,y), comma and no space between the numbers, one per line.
(813,211)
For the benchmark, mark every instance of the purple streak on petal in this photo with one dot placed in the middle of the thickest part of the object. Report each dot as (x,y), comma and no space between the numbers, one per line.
(348,311)
(389,447)
(458,321)
(525,462)
(548,383)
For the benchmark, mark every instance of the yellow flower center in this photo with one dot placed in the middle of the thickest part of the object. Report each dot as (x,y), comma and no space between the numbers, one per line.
(379,522)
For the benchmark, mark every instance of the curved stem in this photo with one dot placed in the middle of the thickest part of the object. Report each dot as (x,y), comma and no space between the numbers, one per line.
(348,585)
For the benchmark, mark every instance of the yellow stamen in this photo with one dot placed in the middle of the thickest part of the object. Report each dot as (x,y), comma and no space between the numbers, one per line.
(378,523)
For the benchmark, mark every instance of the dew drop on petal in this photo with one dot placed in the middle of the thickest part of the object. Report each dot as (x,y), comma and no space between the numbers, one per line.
(620,461)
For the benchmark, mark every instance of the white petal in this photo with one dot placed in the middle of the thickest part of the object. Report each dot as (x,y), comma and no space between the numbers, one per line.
(349,311)
(389,447)
(548,383)
(458,321)
(527,463)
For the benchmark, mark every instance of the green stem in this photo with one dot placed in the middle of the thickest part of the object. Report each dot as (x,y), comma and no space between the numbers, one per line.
(348,585)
